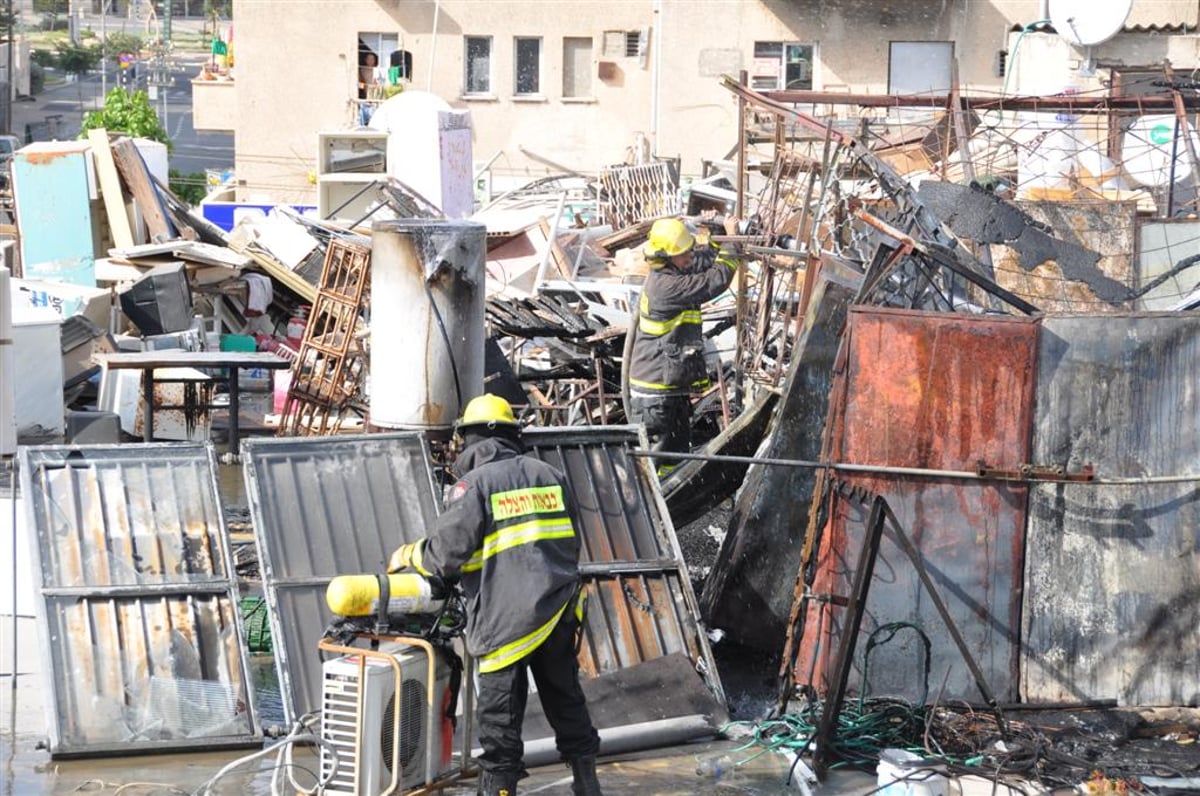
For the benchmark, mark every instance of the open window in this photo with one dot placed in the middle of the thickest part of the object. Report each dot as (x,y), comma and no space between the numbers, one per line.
(378,53)
(782,65)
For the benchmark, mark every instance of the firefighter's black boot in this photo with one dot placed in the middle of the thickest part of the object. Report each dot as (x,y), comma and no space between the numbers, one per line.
(498,783)
(584,771)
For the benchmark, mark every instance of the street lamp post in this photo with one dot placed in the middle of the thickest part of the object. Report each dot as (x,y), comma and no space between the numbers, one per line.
(9,83)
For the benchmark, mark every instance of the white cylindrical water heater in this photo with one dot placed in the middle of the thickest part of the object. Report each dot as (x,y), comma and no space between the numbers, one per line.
(427,321)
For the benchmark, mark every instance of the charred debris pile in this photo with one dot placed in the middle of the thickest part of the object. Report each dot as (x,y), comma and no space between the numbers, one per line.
(953,430)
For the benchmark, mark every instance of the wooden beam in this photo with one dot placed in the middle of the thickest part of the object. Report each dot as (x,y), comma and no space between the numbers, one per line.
(110,189)
(137,178)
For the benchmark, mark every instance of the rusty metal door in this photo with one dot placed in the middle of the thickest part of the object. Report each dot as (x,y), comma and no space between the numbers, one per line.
(940,393)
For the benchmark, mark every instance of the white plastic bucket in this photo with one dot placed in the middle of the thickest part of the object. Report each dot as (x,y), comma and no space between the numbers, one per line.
(902,773)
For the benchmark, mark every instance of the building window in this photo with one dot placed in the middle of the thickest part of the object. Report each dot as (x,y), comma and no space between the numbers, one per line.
(577,67)
(528,66)
(624,43)
(383,49)
(782,65)
(920,67)
(478,77)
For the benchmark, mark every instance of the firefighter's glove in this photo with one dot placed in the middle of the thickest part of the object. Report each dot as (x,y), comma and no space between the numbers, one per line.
(402,558)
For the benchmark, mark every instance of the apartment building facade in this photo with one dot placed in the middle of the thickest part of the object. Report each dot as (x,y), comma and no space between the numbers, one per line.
(555,86)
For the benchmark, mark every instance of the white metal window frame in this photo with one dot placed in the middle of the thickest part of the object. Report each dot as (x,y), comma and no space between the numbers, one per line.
(382,44)
(769,72)
(517,42)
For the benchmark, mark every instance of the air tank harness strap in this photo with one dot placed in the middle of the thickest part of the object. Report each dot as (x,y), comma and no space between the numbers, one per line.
(455,663)
(382,626)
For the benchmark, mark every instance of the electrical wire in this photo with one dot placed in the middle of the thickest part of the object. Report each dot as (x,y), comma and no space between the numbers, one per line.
(300,733)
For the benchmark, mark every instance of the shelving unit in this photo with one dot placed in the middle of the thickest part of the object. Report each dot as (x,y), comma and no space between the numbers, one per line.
(350,164)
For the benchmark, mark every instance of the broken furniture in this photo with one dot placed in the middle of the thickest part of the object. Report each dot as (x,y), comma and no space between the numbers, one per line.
(229,363)
(331,361)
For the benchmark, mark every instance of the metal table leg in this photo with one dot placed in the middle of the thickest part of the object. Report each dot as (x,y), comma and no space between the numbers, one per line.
(234,411)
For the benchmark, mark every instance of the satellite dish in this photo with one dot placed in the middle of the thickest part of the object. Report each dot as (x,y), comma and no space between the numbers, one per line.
(1149,147)
(1087,22)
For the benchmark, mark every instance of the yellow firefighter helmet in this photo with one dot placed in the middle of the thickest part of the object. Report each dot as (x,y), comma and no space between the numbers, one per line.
(668,237)
(488,410)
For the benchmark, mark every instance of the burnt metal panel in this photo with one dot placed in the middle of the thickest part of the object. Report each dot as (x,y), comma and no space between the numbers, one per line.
(1065,284)
(137,616)
(324,507)
(748,594)
(640,601)
(940,392)
(1112,580)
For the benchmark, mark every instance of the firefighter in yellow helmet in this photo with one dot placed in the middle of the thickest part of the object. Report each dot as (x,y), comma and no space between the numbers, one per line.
(510,533)
(667,361)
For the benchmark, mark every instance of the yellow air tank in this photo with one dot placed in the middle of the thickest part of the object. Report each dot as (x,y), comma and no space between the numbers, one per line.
(358,595)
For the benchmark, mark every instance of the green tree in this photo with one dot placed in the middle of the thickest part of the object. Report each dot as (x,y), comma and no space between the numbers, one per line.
(191,188)
(121,42)
(77,60)
(131,114)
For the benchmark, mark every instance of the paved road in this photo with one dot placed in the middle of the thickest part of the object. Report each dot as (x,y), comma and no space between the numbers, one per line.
(58,112)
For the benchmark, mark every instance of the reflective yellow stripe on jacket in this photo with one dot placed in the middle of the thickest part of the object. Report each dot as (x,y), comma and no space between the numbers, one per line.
(659,328)
(516,650)
(515,535)
(519,509)
(697,386)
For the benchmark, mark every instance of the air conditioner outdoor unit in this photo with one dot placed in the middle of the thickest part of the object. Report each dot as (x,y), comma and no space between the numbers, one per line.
(366,758)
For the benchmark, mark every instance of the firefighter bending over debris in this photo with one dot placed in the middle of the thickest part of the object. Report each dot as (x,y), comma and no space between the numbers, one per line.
(667,361)
(510,532)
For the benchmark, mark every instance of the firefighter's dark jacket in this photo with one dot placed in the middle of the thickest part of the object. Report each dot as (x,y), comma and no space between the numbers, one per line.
(668,347)
(509,530)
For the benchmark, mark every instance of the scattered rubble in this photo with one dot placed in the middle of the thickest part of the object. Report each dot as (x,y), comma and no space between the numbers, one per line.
(938,398)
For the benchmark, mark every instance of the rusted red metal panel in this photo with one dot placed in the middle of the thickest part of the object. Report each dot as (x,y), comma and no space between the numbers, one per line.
(941,392)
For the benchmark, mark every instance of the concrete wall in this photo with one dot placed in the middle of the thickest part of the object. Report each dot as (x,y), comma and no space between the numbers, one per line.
(296,71)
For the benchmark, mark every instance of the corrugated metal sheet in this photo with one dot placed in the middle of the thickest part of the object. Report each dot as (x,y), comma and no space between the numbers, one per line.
(749,592)
(1111,605)
(1163,13)
(324,507)
(138,615)
(1161,245)
(940,392)
(640,601)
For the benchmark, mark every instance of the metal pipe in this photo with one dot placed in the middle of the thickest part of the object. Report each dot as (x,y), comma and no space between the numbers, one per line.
(655,74)
(12,492)
(437,10)
(8,395)
(1074,103)
(550,238)
(966,475)
(627,738)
